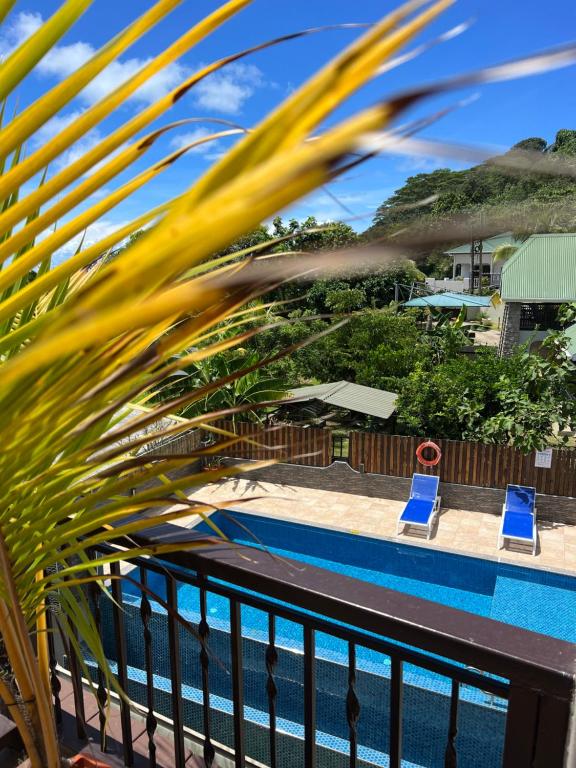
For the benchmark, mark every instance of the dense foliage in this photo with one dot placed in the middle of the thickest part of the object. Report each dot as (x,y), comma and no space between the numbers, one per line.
(520,400)
(446,388)
(244,391)
(442,392)
(377,348)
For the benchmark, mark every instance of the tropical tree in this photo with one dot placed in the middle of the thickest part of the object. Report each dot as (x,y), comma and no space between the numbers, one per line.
(90,335)
(521,400)
(243,393)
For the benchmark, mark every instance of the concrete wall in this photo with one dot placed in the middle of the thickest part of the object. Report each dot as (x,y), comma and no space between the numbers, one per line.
(446,284)
(532,336)
(340,477)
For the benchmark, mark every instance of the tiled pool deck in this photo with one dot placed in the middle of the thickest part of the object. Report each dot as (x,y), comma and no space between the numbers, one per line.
(468,532)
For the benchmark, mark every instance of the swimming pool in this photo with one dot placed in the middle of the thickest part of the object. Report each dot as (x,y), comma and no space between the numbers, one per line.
(530,598)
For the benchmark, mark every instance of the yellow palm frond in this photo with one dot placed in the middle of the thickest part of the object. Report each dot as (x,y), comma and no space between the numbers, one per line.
(81,339)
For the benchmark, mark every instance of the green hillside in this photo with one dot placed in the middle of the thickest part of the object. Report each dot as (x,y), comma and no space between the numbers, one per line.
(486,189)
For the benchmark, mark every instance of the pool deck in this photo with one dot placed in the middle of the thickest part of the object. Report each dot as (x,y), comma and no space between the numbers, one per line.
(457,530)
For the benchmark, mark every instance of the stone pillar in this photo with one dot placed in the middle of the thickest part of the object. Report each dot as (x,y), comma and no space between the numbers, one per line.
(510,336)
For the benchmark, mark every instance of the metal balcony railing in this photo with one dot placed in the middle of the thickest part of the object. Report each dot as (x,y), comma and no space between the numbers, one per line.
(492,280)
(533,673)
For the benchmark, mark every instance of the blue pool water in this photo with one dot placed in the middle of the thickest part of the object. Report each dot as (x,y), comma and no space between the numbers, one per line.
(533,599)
(526,597)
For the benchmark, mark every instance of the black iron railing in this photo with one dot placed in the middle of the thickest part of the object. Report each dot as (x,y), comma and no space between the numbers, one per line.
(489,279)
(533,673)
(540,317)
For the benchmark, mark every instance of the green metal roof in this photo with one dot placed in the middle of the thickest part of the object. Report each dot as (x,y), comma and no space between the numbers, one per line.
(352,397)
(449,300)
(542,270)
(489,245)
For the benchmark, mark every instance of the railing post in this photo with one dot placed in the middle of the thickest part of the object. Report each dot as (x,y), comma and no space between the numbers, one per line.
(175,673)
(451,755)
(396,696)
(121,658)
(521,722)
(55,685)
(237,681)
(151,721)
(352,706)
(271,688)
(95,593)
(203,635)
(537,730)
(553,733)
(309,698)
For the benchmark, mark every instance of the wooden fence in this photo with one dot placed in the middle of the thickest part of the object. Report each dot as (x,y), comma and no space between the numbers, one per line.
(464,463)
(179,444)
(488,466)
(308,446)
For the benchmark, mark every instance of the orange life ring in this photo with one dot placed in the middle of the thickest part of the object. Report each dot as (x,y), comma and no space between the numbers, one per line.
(428,462)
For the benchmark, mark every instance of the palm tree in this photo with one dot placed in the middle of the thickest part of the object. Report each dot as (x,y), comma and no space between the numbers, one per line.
(88,336)
(503,252)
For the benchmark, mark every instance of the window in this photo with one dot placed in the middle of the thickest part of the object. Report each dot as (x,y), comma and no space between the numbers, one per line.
(539,316)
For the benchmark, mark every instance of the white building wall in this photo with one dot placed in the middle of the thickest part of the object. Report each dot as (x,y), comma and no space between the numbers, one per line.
(447,285)
(532,336)
(465,262)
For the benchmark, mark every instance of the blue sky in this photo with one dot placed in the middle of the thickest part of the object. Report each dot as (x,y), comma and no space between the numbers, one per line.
(503,114)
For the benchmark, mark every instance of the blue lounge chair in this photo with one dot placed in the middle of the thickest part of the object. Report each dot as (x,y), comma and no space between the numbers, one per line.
(519,516)
(423,504)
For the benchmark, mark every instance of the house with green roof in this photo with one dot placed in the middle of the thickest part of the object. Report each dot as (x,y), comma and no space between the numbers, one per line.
(462,261)
(536,281)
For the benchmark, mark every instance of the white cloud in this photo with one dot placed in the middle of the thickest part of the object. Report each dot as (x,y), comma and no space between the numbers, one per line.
(54,126)
(57,124)
(181,140)
(94,234)
(324,209)
(79,148)
(420,164)
(20,28)
(215,156)
(64,60)
(120,71)
(227,91)
(85,144)
(162,83)
(224,92)
(210,150)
